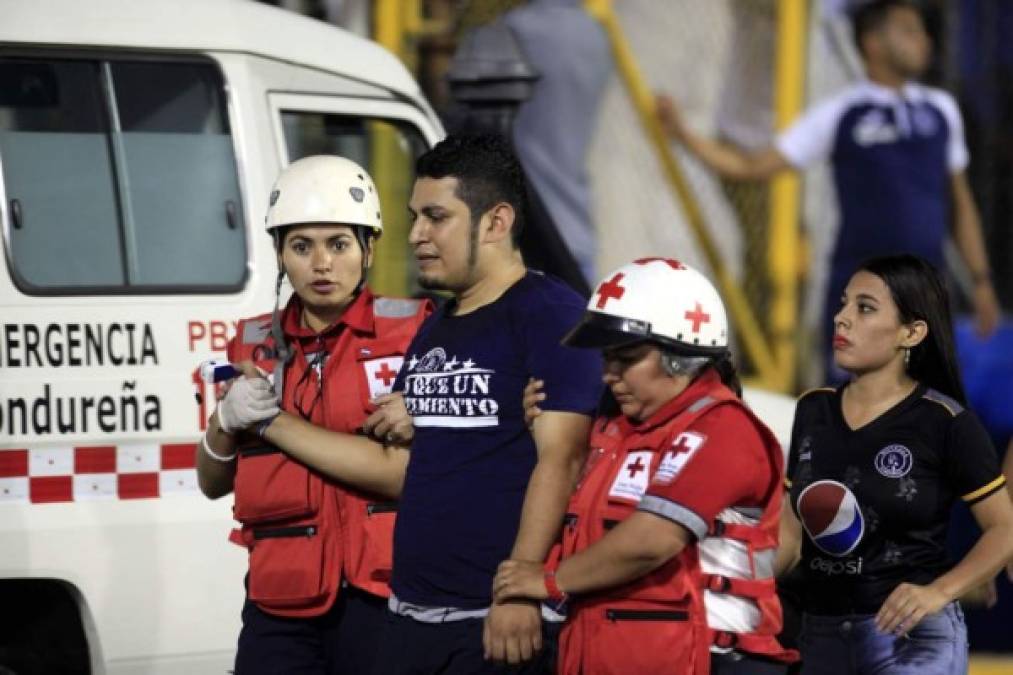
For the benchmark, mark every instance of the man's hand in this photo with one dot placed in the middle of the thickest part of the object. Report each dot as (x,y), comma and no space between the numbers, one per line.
(986,308)
(513,631)
(249,400)
(391,422)
(669,117)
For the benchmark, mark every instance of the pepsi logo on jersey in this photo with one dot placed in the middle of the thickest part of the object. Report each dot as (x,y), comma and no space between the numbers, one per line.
(831,517)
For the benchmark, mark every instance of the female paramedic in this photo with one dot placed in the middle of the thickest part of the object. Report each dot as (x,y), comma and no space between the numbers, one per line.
(671,534)
(319,551)
(874,469)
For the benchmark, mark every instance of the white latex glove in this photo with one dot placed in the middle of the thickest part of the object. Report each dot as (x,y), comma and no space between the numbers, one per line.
(249,400)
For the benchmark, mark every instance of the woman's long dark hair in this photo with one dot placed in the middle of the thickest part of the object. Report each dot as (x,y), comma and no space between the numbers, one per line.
(728,373)
(920,294)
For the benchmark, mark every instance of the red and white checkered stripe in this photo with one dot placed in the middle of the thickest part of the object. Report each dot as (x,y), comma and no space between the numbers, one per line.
(71,474)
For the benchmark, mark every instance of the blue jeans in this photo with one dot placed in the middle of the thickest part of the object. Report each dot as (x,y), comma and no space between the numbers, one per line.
(852,645)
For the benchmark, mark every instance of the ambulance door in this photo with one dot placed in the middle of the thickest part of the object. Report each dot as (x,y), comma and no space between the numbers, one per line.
(126,254)
(382,135)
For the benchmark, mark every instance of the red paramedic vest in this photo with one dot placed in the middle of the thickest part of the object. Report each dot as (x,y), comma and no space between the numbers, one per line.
(304,531)
(760,541)
(655,624)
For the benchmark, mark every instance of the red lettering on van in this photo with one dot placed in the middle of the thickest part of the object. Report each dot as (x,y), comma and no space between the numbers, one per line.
(210,336)
(219,336)
(197,332)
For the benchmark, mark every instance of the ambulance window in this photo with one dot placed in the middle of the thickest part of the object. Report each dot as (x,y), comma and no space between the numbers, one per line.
(119,176)
(181,172)
(361,139)
(58,174)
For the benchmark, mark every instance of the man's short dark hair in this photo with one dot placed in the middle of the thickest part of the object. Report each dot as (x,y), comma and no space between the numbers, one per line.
(487,172)
(871,16)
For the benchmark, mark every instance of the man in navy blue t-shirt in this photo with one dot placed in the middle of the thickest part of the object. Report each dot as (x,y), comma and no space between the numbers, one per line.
(898,155)
(480,487)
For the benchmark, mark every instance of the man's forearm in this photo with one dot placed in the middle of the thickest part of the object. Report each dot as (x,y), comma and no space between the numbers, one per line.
(967,230)
(561,439)
(356,460)
(544,507)
(734,163)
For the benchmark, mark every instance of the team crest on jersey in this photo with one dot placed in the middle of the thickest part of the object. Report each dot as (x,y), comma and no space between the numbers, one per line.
(381,373)
(683,448)
(874,129)
(894,461)
(631,482)
(831,517)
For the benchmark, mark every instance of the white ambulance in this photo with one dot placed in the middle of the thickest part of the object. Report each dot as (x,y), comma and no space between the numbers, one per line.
(138,143)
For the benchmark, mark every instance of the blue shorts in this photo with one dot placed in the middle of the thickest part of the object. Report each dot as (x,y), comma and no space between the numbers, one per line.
(852,645)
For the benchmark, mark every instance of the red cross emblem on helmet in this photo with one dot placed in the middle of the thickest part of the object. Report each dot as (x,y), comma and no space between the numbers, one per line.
(659,299)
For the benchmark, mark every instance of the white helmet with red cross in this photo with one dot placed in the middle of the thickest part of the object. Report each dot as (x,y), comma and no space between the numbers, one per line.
(658,300)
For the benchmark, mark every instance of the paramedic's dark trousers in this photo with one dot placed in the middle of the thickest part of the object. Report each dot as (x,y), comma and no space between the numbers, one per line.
(342,642)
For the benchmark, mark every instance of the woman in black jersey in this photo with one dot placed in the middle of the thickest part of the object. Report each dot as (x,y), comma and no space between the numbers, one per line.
(874,469)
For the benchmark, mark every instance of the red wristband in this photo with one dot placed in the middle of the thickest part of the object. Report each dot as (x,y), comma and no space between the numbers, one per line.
(555,593)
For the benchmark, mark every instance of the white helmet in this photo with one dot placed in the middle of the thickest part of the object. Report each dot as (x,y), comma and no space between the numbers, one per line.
(324,189)
(659,300)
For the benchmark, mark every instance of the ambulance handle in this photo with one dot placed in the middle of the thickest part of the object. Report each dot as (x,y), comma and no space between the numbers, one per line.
(230,214)
(16,218)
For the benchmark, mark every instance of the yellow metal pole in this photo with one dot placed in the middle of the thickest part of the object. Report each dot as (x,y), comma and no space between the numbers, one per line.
(786,193)
(390,168)
(388,24)
(398,25)
(749,331)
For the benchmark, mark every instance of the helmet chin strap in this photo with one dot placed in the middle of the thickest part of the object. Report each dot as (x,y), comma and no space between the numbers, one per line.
(282,349)
(363,236)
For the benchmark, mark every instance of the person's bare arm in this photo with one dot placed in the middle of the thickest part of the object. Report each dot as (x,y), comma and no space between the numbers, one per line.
(635,547)
(1007,470)
(356,460)
(513,629)
(215,477)
(971,244)
(721,158)
(561,439)
(390,422)
(789,547)
(909,603)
